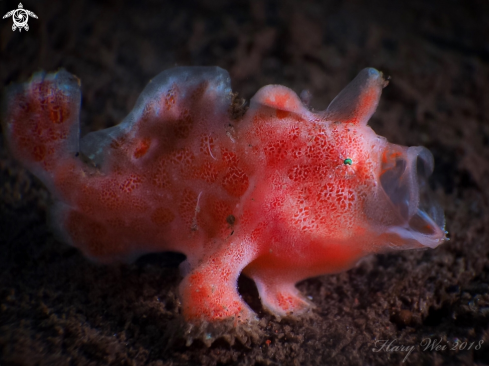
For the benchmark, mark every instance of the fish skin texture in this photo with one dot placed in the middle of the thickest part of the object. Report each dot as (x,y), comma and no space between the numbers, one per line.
(280,194)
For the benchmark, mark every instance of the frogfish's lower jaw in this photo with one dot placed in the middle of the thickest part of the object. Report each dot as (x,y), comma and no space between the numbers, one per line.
(420,221)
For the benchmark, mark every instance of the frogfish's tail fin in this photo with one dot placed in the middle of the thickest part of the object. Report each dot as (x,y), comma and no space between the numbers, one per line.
(40,119)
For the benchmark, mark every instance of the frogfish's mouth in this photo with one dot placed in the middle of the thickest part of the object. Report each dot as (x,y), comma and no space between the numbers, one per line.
(420,221)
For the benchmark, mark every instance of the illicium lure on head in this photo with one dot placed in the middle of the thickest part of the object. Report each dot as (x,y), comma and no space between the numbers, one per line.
(281,193)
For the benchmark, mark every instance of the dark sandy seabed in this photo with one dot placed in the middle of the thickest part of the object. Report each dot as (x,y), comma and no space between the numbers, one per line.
(57,308)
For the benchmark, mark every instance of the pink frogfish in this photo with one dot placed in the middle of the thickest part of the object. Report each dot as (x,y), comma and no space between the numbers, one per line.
(280,192)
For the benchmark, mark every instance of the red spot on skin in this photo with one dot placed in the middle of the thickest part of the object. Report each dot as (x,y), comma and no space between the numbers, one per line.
(161,177)
(142,148)
(110,195)
(229,157)
(276,151)
(131,183)
(207,172)
(207,146)
(58,106)
(56,115)
(182,158)
(235,181)
(285,301)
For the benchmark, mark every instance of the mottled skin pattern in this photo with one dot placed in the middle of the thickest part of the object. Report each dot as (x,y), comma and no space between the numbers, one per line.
(281,194)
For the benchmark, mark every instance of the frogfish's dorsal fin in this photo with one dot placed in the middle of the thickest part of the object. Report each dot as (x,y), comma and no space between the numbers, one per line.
(359,99)
(280,98)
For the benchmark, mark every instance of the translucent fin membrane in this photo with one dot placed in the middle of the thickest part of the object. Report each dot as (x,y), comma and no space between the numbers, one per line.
(359,99)
(404,179)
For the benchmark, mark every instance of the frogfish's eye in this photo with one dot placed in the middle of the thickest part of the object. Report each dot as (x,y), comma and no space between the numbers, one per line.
(348,161)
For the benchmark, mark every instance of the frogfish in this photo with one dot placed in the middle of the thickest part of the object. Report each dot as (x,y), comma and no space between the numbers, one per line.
(279,192)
